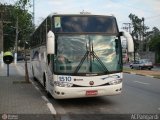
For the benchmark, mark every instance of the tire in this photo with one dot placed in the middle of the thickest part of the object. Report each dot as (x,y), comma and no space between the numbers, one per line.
(48,94)
(131,67)
(32,71)
(44,81)
(44,84)
(140,67)
(33,74)
(149,68)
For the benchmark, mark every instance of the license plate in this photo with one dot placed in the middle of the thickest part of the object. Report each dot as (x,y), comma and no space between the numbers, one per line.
(91,92)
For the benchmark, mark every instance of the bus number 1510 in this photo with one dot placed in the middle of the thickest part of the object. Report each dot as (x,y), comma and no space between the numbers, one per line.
(65,78)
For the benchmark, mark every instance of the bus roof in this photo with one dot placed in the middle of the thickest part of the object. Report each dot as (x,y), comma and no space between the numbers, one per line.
(56,14)
(111,25)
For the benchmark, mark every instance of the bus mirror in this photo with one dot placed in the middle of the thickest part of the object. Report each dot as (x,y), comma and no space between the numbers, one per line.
(130,43)
(50,42)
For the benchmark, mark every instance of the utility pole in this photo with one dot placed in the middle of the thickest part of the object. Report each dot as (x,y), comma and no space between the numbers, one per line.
(143,27)
(1,35)
(1,41)
(33,12)
(16,42)
(3,14)
(142,33)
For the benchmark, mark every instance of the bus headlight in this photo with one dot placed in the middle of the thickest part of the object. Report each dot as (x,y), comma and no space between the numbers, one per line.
(63,84)
(115,82)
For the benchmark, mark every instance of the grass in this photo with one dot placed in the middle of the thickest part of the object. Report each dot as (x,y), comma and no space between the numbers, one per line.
(155,74)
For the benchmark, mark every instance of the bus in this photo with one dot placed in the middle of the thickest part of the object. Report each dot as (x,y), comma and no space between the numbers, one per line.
(75,55)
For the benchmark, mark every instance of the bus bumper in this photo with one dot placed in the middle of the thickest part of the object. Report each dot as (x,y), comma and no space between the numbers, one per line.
(79,92)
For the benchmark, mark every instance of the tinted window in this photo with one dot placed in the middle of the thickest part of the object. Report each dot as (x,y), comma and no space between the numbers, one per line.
(65,24)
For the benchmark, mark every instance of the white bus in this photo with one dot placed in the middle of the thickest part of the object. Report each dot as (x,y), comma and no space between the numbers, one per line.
(76,56)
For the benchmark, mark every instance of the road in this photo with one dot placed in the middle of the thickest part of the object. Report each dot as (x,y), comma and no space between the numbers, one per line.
(155,68)
(140,94)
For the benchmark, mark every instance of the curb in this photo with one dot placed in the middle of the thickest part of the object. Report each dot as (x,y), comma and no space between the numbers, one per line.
(141,75)
(48,104)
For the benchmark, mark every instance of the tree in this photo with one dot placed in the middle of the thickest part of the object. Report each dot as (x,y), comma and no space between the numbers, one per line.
(139,31)
(155,31)
(24,18)
(27,26)
(18,13)
(5,21)
(154,43)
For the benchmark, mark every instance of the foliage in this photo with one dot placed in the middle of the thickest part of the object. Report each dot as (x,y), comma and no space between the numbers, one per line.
(155,40)
(18,12)
(154,43)
(139,30)
(7,33)
(23,4)
(143,39)
(25,26)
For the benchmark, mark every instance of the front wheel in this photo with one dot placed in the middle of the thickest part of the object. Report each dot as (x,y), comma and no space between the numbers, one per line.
(45,86)
(33,73)
(44,81)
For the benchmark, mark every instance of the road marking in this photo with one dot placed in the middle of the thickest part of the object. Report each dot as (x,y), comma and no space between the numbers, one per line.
(149,76)
(45,99)
(37,88)
(20,70)
(51,108)
(142,82)
(33,83)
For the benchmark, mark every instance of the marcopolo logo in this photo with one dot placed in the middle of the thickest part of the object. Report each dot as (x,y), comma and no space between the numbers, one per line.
(91,83)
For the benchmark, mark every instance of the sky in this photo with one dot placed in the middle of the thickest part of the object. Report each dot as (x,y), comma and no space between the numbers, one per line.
(149,9)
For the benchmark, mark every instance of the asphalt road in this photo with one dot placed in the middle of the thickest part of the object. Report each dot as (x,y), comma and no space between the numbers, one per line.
(155,68)
(141,95)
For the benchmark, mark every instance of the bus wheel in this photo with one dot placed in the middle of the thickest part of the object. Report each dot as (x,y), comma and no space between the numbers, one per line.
(33,73)
(44,81)
(49,94)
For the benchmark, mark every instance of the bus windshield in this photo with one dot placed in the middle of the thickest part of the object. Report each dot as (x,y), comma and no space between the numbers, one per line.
(87,54)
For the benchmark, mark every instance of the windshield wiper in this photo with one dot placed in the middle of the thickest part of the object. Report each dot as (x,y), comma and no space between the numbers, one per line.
(99,60)
(90,52)
(81,62)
